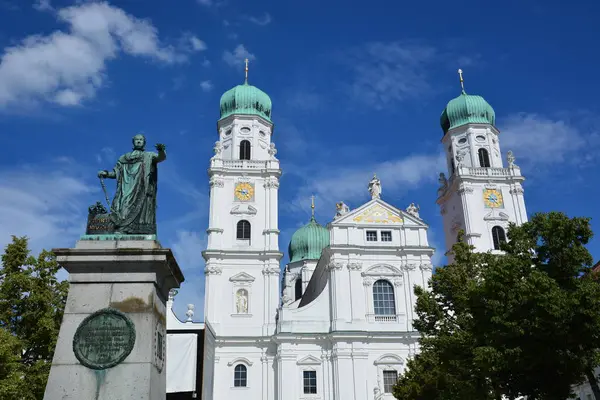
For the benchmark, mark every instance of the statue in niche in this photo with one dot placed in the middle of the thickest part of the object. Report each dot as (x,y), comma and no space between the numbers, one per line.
(133,208)
(241,301)
(375,187)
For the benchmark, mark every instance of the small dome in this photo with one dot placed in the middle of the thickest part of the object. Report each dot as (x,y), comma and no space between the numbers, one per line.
(467,109)
(246,99)
(308,242)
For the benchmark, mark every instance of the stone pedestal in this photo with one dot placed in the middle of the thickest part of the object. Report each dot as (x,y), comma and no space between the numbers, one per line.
(116,306)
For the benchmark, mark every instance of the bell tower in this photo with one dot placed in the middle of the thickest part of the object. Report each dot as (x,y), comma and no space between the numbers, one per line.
(480,194)
(242,255)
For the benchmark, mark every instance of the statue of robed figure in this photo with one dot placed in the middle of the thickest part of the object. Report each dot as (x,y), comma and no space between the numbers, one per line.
(133,208)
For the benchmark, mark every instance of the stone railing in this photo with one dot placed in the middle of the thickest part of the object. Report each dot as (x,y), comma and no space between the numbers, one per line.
(382,318)
(244,164)
(493,172)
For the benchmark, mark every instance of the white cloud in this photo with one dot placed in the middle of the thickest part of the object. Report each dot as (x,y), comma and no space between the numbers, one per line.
(237,56)
(67,68)
(43,5)
(262,21)
(206,86)
(48,204)
(385,73)
(540,140)
(197,44)
(332,184)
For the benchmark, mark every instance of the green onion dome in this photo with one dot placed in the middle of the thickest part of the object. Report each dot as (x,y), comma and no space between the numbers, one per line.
(308,242)
(246,99)
(467,109)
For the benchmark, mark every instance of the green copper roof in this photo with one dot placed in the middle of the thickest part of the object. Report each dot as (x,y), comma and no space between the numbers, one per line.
(246,99)
(308,242)
(467,109)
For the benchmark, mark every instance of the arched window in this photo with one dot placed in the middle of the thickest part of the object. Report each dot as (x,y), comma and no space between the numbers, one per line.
(243,230)
(498,236)
(244,150)
(384,302)
(240,376)
(298,288)
(484,158)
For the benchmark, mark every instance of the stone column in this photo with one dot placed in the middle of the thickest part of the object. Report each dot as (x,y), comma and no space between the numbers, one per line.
(112,340)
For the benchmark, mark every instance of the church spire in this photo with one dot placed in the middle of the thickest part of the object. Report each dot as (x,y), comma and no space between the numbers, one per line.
(246,71)
(460,75)
(312,207)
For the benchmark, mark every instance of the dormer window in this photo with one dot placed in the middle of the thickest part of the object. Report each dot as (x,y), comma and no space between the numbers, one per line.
(371,236)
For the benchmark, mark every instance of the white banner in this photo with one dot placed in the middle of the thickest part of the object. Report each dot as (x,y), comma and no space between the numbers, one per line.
(182,351)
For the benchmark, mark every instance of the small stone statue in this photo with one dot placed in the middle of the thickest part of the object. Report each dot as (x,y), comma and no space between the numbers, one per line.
(272,150)
(375,187)
(510,157)
(459,158)
(133,209)
(217,149)
(341,209)
(190,312)
(413,210)
(242,301)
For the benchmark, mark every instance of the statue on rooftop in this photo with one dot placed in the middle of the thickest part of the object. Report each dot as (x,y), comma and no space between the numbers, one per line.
(133,208)
(375,187)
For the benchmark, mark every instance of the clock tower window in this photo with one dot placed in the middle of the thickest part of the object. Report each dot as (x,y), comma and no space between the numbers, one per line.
(243,230)
(498,236)
(484,158)
(244,150)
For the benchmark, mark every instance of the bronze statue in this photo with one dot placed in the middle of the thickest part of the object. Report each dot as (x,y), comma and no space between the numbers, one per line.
(133,209)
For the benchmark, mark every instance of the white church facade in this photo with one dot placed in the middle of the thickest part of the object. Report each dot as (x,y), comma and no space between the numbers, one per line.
(337,322)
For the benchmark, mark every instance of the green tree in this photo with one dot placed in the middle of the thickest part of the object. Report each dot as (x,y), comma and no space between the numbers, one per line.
(31,307)
(523,323)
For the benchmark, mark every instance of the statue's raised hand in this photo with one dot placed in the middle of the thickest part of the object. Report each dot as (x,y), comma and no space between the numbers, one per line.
(160,147)
(102,174)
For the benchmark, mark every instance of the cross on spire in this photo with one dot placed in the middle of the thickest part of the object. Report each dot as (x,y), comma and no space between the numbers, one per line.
(312,206)
(462,82)
(246,70)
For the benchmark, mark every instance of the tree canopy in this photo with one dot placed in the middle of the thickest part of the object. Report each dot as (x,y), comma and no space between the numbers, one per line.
(32,301)
(524,323)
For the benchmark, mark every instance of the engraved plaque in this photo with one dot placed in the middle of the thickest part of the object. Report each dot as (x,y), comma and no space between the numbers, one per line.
(104,339)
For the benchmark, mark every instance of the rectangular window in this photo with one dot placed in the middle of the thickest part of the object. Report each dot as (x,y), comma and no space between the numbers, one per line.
(310,382)
(390,378)
(371,236)
(386,236)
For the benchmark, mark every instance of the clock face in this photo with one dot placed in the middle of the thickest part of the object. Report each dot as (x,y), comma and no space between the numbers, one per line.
(492,198)
(244,191)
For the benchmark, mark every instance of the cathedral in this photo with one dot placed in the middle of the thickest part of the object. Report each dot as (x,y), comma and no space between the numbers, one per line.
(337,322)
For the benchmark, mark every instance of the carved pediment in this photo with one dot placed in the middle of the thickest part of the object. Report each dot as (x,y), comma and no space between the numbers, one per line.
(377,214)
(309,360)
(240,360)
(389,359)
(382,270)
(243,209)
(496,215)
(242,277)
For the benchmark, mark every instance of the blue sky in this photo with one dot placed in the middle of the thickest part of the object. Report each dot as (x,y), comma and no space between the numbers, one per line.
(357,88)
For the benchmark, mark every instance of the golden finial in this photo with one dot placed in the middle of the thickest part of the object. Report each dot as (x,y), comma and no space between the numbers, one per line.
(462,81)
(246,61)
(312,206)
